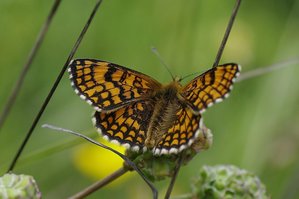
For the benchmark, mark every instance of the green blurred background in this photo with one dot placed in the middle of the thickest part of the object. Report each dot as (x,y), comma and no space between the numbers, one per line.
(256,129)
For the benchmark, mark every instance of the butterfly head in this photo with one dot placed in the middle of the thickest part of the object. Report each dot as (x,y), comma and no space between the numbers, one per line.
(176,82)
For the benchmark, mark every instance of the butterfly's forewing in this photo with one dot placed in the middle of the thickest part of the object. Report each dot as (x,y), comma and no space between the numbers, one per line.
(182,134)
(210,87)
(108,86)
(126,126)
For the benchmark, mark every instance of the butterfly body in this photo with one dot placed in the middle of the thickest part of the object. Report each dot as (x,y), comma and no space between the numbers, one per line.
(166,104)
(138,112)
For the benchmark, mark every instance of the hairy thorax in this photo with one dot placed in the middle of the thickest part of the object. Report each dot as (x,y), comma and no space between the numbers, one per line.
(166,102)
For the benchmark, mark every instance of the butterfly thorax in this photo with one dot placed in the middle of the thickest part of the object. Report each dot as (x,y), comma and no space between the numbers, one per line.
(166,105)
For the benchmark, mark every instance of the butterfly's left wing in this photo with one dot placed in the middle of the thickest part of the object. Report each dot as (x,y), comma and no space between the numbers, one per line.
(210,87)
(107,86)
(182,134)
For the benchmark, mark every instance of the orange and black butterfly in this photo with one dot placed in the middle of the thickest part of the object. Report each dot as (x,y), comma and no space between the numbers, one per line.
(140,113)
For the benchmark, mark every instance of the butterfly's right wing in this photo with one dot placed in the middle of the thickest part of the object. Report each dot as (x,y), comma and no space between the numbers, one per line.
(107,86)
(182,134)
(202,92)
(210,87)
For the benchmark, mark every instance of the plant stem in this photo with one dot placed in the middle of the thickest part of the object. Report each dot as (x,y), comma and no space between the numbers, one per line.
(96,186)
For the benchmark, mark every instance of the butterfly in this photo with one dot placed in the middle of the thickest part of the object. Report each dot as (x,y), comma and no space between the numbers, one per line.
(138,112)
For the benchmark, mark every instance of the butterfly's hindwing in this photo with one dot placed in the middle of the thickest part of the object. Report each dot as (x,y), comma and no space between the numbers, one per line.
(210,87)
(182,134)
(126,126)
(108,86)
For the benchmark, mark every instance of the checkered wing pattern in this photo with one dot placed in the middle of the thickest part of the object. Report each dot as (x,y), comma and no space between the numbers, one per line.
(126,126)
(210,87)
(108,86)
(182,134)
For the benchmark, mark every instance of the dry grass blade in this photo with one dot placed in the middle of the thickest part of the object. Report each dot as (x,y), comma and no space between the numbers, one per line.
(268,69)
(176,172)
(59,77)
(15,91)
(227,32)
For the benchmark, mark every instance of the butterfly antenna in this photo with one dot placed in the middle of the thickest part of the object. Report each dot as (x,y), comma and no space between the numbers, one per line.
(227,32)
(192,74)
(155,51)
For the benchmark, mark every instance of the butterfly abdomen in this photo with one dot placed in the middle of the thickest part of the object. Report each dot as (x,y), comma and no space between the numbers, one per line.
(166,106)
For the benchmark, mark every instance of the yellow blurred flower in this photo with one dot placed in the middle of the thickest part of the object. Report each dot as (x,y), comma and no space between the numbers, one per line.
(96,162)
